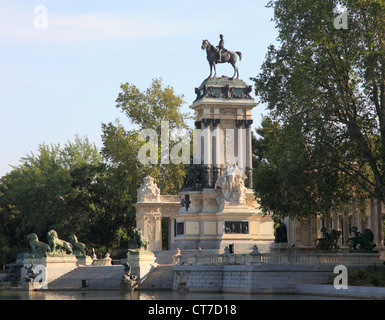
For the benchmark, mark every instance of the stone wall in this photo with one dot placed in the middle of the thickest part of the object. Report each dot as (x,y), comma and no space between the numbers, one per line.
(257,273)
(250,279)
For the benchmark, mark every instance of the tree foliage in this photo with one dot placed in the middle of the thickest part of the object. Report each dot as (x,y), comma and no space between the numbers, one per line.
(325,89)
(77,189)
(34,195)
(147,110)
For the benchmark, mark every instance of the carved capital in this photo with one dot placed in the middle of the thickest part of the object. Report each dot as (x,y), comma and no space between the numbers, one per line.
(239,123)
(198,124)
(248,123)
(206,122)
(216,122)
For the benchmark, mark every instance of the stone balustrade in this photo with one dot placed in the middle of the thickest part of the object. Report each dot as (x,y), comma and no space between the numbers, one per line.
(343,258)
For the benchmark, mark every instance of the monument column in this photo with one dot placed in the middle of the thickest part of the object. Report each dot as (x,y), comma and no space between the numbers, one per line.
(157,233)
(217,151)
(241,143)
(207,154)
(249,155)
(197,143)
(171,231)
(223,208)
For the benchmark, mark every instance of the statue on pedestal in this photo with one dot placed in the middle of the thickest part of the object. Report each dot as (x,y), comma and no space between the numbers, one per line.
(58,245)
(37,248)
(329,241)
(139,239)
(79,248)
(148,191)
(280,233)
(220,55)
(364,240)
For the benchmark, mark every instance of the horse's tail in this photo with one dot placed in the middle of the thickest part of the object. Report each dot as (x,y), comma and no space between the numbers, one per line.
(239,54)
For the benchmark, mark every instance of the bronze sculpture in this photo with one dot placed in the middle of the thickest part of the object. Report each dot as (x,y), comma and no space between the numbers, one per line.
(329,241)
(220,55)
(364,240)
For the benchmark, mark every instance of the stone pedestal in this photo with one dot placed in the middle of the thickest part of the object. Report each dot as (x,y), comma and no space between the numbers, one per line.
(216,206)
(84,261)
(142,262)
(205,225)
(107,261)
(48,268)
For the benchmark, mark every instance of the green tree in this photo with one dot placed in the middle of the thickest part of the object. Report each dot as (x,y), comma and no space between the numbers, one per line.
(147,110)
(34,195)
(289,181)
(327,87)
(100,205)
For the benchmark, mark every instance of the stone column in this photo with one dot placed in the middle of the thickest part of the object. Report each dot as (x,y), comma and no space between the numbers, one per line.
(249,155)
(373,218)
(197,143)
(171,232)
(207,152)
(241,143)
(379,233)
(158,233)
(217,151)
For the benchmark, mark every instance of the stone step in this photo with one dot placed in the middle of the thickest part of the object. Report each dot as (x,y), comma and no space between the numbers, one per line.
(161,278)
(164,257)
(91,277)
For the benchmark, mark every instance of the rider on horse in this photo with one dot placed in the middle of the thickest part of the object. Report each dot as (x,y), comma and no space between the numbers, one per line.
(221,47)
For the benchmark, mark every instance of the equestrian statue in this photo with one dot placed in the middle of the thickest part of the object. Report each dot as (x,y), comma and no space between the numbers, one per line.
(220,55)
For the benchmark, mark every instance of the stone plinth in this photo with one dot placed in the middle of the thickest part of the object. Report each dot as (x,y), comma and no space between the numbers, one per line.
(142,262)
(51,267)
(102,262)
(84,261)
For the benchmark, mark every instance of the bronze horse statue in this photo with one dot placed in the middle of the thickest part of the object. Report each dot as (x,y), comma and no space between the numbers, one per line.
(227,56)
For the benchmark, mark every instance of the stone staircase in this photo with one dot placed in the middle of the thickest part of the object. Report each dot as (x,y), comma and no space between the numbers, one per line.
(110,277)
(90,278)
(162,277)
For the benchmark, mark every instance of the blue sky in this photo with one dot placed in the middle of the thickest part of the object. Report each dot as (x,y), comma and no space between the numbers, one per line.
(63,80)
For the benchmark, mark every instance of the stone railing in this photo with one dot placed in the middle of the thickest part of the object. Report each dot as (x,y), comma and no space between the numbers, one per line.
(256,258)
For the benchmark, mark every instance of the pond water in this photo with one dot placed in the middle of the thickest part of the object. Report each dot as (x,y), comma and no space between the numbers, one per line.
(147,295)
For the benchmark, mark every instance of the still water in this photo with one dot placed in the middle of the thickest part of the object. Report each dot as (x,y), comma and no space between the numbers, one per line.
(146,295)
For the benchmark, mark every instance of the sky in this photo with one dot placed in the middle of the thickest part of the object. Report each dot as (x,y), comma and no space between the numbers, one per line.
(62,61)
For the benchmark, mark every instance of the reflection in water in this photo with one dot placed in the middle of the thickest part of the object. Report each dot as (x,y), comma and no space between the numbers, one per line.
(143,295)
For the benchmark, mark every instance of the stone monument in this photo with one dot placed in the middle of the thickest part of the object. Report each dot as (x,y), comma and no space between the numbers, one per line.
(216,206)
(47,262)
(141,260)
(218,202)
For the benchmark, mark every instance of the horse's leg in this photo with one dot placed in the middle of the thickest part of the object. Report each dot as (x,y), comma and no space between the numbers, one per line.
(211,69)
(236,72)
(215,69)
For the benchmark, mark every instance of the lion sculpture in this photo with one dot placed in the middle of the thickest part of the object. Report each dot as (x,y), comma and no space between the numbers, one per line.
(364,240)
(79,248)
(38,248)
(329,242)
(139,239)
(58,245)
